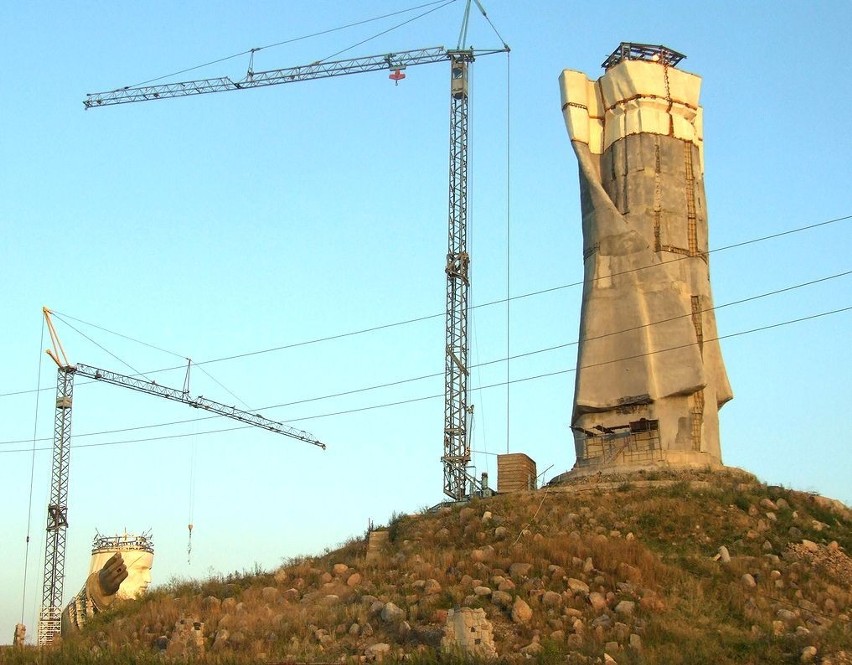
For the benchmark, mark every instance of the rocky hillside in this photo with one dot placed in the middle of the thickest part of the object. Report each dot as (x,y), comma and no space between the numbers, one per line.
(653,568)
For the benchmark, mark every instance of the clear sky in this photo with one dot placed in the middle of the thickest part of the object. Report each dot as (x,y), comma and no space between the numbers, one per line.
(231,224)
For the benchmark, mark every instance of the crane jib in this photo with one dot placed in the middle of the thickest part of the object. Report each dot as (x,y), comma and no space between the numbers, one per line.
(153,388)
(316,70)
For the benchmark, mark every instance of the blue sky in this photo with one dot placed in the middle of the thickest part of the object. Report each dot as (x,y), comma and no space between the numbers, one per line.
(228,224)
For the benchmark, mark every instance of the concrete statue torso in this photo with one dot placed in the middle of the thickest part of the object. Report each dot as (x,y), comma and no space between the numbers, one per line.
(650,377)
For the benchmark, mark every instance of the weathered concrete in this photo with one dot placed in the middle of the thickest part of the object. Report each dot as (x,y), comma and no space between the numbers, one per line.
(650,376)
(469,631)
(20,635)
(376,544)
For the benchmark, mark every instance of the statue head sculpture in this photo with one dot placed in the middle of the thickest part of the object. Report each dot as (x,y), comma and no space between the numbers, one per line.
(138,555)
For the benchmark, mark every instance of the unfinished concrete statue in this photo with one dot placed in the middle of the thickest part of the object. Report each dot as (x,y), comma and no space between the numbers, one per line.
(20,635)
(650,377)
(120,568)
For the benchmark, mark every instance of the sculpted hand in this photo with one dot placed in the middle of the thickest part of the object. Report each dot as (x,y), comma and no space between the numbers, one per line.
(112,574)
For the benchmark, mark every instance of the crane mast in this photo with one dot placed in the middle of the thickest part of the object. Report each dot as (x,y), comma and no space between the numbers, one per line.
(57,512)
(457,412)
(456,441)
(50,615)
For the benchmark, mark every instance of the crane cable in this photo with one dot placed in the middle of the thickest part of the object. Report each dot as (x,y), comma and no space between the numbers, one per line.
(136,372)
(508,239)
(32,474)
(252,51)
(191,472)
(189,525)
(493,27)
(384,32)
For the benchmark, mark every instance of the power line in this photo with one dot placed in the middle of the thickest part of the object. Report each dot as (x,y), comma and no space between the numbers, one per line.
(574,369)
(398,382)
(481,388)
(419,319)
(508,298)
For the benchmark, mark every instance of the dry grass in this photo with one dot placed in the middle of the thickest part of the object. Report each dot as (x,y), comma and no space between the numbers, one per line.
(652,546)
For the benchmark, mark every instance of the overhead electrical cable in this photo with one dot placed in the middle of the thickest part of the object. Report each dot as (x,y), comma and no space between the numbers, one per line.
(419,319)
(574,369)
(499,384)
(500,301)
(672,318)
(398,382)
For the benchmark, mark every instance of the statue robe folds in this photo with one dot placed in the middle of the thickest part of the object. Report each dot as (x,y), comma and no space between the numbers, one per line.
(648,342)
(89,601)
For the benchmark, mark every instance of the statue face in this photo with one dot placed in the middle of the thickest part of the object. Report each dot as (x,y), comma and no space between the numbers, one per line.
(138,574)
(139,564)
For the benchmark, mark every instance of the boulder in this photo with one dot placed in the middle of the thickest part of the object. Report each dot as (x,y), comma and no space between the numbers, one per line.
(577,585)
(391,613)
(625,608)
(377,651)
(501,599)
(211,603)
(482,554)
(551,599)
(597,601)
(521,611)
(466,514)
(808,654)
(520,569)
(353,580)
(533,648)
(280,576)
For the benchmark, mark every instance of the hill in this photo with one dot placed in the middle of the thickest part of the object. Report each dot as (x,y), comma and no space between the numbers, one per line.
(688,567)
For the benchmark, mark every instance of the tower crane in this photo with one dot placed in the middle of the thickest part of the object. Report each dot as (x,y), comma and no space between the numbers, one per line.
(456,457)
(57,509)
